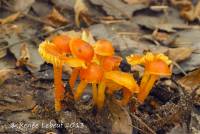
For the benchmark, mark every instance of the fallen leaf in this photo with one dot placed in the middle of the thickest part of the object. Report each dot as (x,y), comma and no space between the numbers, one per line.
(79,9)
(5,74)
(34,60)
(121,121)
(187,10)
(22,5)
(24,56)
(15,96)
(192,14)
(179,54)
(10,18)
(117,8)
(87,36)
(7,62)
(56,18)
(4,51)
(42,8)
(51,133)
(64,4)
(191,81)
(160,36)
(73,34)
(189,39)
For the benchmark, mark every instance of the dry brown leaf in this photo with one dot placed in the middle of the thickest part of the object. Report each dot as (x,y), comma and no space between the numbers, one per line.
(187,9)
(10,18)
(79,8)
(5,74)
(57,18)
(121,121)
(22,5)
(160,36)
(87,36)
(73,34)
(191,81)
(4,51)
(137,1)
(179,54)
(51,133)
(24,59)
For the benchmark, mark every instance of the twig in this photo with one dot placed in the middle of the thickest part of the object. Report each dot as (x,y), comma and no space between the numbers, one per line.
(37,36)
(129,33)
(158,8)
(179,67)
(140,129)
(111,21)
(144,124)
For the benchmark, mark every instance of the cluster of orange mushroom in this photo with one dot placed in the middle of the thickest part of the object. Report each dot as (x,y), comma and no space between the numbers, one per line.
(97,64)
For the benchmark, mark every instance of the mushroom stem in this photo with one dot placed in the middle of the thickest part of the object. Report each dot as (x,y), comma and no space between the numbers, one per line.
(147,88)
(144,80)
(126,97)
(59,88)
(101,94)
(94,92)
(73,78)
(80,90)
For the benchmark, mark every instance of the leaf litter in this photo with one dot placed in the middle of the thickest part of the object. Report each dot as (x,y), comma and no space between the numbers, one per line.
(133,27)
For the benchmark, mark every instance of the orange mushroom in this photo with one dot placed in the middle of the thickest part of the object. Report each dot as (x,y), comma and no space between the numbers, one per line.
(56,55)
(111,63)
(155,65)
(81,49)
(84,52)
(102,49)
(125,81)
(62,43)
(92,74)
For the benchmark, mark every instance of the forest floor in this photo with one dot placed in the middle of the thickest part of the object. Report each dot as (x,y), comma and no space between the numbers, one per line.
(171,27)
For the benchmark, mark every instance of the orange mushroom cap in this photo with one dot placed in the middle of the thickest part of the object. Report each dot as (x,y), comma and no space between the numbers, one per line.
(50,53)
(124,79)
(135,59)
(62,42)
(93,74)
(158,67)
(111,62)
(147,58)
(81,49)
(103,48)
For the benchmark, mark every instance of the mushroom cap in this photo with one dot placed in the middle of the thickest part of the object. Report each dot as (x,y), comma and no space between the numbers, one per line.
(135,59)
(103,48)
(81,49)
(92,74)
(111,62)
(62,43)
(50,53)
(124,79)
(158,67)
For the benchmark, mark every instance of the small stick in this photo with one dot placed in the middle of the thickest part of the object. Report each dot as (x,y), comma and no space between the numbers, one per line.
(162,7)
(111,21)
(179,67)
(143,123)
